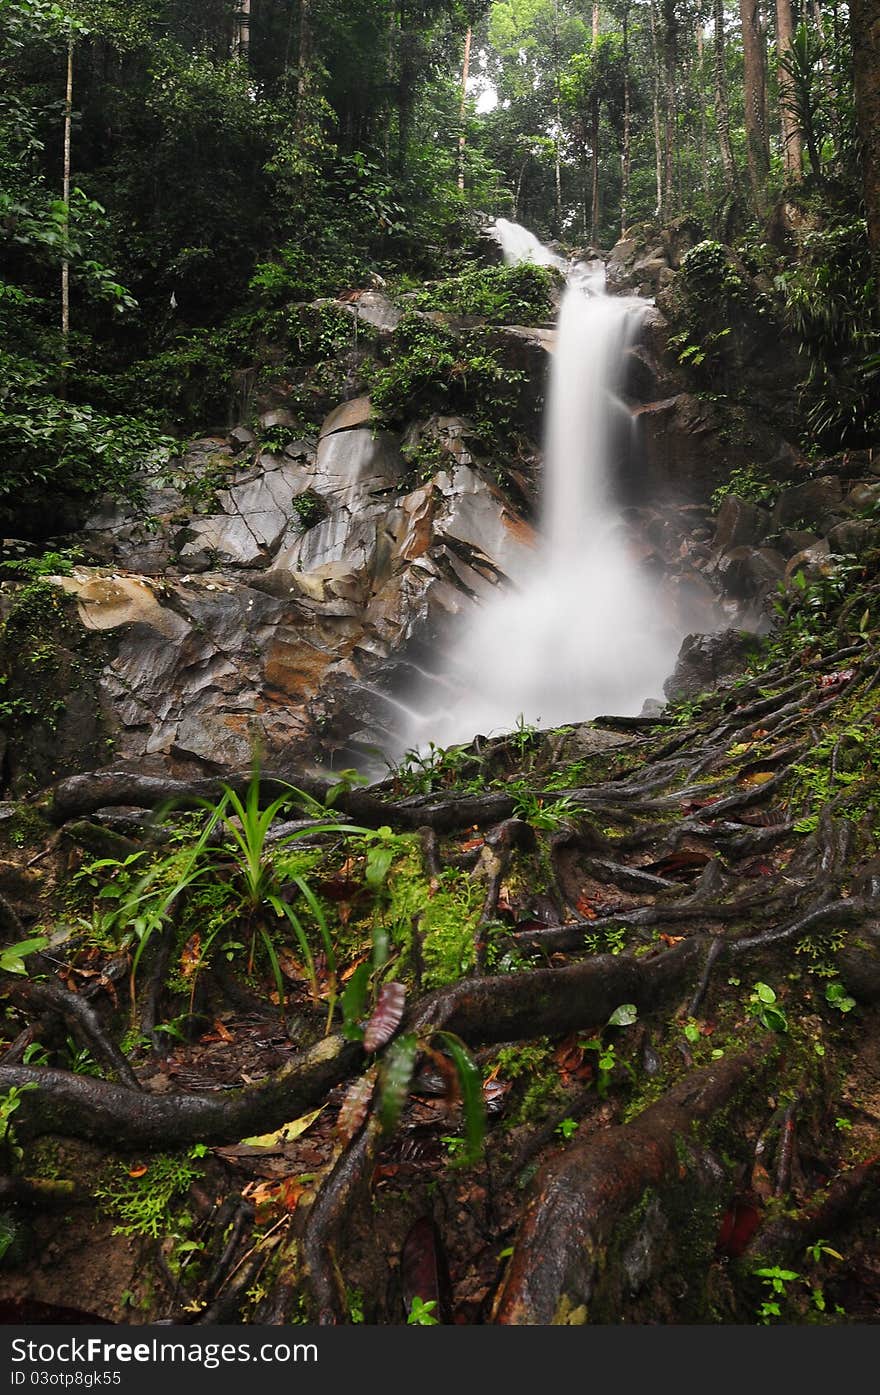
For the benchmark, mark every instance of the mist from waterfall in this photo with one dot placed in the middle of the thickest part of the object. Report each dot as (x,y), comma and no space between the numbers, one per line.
(580,630)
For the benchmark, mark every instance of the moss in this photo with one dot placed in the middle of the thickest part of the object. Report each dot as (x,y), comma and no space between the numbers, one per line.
(446,916)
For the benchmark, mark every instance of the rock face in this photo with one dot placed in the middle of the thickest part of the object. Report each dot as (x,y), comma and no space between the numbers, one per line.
(254,583)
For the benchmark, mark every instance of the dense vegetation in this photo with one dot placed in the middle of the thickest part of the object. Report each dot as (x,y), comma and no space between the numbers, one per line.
(175,175)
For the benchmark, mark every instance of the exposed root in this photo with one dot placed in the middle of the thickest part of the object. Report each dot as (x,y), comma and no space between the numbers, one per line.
(562,1268)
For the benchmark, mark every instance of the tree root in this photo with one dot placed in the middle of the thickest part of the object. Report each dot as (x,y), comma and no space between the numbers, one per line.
(80,1017)
(785,1237)
(563,1267)
(79,1106)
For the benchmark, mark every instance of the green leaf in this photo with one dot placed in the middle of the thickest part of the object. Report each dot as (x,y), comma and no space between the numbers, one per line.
(624,1016)
(473,1104)
(354,1003)
(765,993)
(394,1081)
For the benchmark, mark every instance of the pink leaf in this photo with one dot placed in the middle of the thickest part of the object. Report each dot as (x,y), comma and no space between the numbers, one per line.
(386,1016)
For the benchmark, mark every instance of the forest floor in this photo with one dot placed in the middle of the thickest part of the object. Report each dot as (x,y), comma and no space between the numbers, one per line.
(620,986)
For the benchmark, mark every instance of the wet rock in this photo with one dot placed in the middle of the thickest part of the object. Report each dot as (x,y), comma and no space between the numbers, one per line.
(792,540)
(750,573)
(708,661)
(813,561)
(863,497)
(854,535)
(739,522)
(816,503)
(689,450)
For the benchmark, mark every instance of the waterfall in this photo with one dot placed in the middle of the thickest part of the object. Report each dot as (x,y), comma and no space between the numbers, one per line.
(581,631)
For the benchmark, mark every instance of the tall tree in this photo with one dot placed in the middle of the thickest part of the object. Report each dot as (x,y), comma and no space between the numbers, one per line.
(792,137)
(722,98)
(865,31)
(755,98)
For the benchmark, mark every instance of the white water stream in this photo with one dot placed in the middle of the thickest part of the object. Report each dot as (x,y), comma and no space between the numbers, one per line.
(581,631)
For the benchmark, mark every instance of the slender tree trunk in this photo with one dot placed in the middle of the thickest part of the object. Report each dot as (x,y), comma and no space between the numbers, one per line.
(792,138)
(65,265)
(304,56)
(701,90)
(465,72)
(241,42)
(595,24)
(722,100)
(658,143)
(557,103)
(594,201)
(754,96)
(865,32)
(626,153)
(670,55)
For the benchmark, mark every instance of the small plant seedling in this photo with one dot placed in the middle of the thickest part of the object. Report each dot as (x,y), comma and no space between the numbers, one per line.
(566,1128)
(776,1280)
(421,1313)
(837,997)
(763,1006)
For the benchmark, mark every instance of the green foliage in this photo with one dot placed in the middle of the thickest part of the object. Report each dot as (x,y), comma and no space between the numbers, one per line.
(764,1007)
(12,958)
(142,1203)
(606,1052)
(53,448)
(10,1102)
(750,482)
(421,1313)
(830,302)
(434,369)
(260,871)
(501,295)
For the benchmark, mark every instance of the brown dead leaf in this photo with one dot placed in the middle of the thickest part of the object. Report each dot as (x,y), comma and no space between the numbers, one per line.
(191,956)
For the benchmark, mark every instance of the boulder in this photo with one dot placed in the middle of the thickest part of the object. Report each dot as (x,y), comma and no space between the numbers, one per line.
(708,661)
(751,573)
(817,503)
(739,522)
(856,535)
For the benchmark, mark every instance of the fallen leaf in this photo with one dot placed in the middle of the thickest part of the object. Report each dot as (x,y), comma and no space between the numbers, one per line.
(138,1171)
(286,1134)
(757,777)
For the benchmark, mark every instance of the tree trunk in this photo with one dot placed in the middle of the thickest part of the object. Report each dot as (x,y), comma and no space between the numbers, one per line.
(792,138)
(658,143)
(557,157)
(865,30)
(465,70)
(701,89)
(722,101)
(627,127)
(302,65)
(594,200)
(65,265)
(241,42)
(754,96)
(670,55)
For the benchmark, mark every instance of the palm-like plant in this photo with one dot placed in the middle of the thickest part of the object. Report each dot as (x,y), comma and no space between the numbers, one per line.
(248,859)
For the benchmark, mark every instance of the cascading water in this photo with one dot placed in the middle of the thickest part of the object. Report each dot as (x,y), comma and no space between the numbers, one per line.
(581,631)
